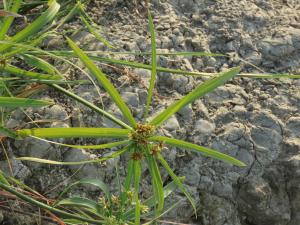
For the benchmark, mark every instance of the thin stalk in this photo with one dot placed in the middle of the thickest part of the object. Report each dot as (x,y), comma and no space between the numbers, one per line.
(46,207)
(91,106)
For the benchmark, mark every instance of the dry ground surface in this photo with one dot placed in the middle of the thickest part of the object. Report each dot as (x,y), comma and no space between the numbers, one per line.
(255,120)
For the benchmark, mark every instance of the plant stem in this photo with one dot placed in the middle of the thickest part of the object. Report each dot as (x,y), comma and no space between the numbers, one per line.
(91,106)
(46,207)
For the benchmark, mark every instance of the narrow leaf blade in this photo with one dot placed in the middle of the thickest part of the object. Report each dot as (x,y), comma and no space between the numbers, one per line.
(72,132)
(40,64)
(205,151)
(46,161)
(29,74)
(137,177)
(201,90)
(153,62)
(36,25)
(89,181)
(178,182)
(92,206)
(91,29)
(114,94)
(13,102)
(11,15)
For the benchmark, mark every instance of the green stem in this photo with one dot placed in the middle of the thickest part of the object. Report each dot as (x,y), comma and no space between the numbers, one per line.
(46,207)
(91,106)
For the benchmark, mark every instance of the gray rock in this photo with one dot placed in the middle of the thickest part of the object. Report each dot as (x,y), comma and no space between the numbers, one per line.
(145,75)
(191,172)
(12,123)
(91,170)
(245,156)
(131,99)
(262,204)
(266,119)
(186,113)
(265,137)
(19,170)
(56,112)
(206,184)
(35,148)
(227,93)
(171,124)
(113,109)
(216,210)
(143,95)
(223,189)
(204,127)
(293,126)
(201,109)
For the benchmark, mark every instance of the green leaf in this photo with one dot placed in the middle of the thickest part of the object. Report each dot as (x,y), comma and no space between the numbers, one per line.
(93,32)
(28,74)
(104,81)
(164,213)
(3,179)
(153,62)
(72,132)
(71,13)
(8,133)
(92,206)
(147,67)
(127,182)
(12,102)
(168,70)
(102,146)
(73,222)
(46,161)
(205,151)
(40,64)
(36,25)
(152,201)
(89,181)
(91,106)
(68,53)
(178,182)
(157,182)
(8,21)
(201,90)
(137,177)
(47,207)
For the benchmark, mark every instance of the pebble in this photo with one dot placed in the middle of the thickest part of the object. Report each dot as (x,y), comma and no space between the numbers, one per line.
(204,127)
(131,99)
(172,124)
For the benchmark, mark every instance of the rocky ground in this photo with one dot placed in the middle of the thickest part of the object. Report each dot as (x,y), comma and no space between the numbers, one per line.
(256,121)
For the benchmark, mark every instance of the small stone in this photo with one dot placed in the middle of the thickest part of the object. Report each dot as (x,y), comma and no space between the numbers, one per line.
(35,148)
(206,183)
(223,190)
(12,123)
(143,95)
(91,170)
(233,131)
(204,127)
(131,99)
(172,124)
(19,170)
(186,113)
(293,126)
(266,137)
(245,156)
(56,112)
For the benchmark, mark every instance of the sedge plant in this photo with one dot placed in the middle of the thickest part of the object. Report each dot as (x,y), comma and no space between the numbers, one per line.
(139,139)
(107,209)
